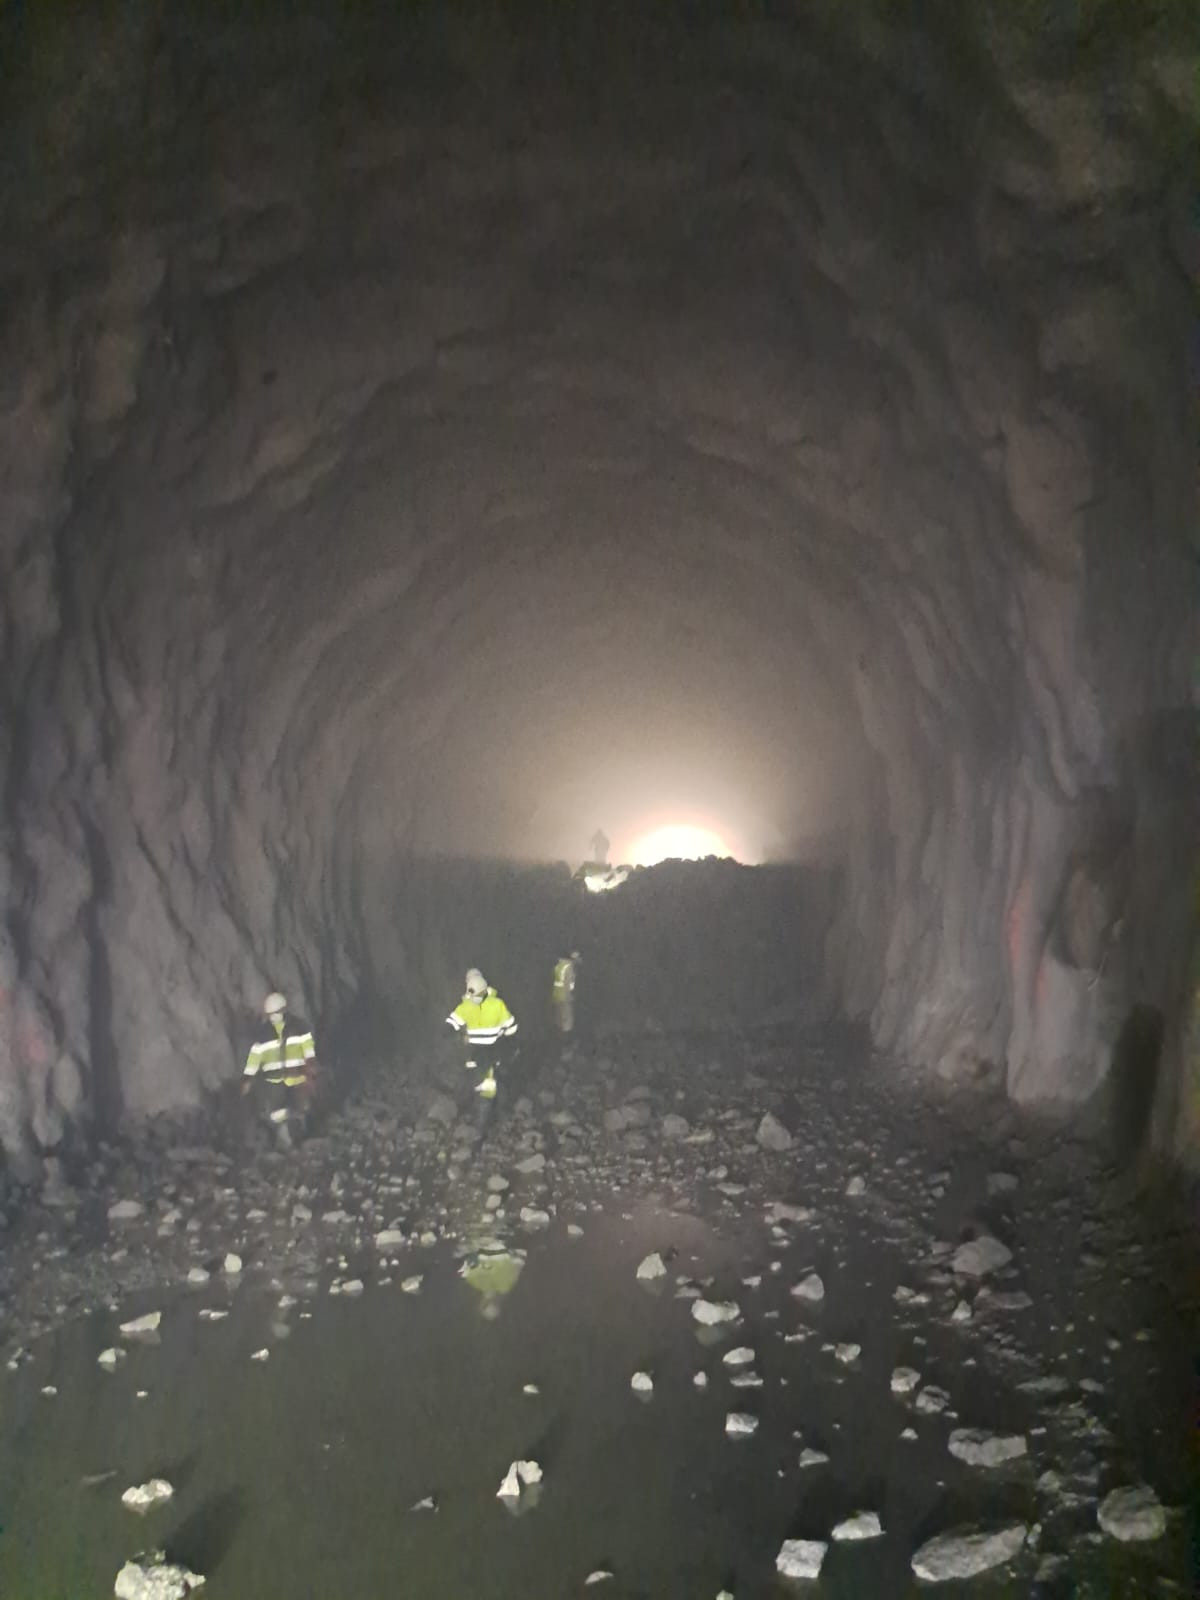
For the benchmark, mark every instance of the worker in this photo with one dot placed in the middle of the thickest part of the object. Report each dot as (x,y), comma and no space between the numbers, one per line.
(600,846)
(566,974)
(482,1020)
(282,1061)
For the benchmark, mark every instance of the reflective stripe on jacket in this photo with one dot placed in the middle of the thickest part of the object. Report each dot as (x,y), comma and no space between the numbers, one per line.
(483,1021)
(281,1054)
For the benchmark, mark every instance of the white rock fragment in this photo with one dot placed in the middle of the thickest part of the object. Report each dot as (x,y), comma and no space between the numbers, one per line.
(847,1354)
(742,1356)
(412,1285)
(261,1355)
(198,1276)
(642,1383)
(708,1313)
(905,1380)
(740,1424)
(159,1580)
(855,1187)
(532,1217)
(811,1288)
(700,1380)
(964,1553)
(772,1135)
(521,1474)
(210,1315)
(962,1312)
(109,1358)
(978,1257)
(932,1400)
(1001,1183)
(652,1267)
(862,1525)
(390,1239)
(1132,1515)
(812,1458)
(780,1211)
(141,1325)
(531,1164)
(232,1265)
(675,1126)
(353,1287)
(125,1211)
(800,1558)
(143,1497)
(601,1575)
(980,1449)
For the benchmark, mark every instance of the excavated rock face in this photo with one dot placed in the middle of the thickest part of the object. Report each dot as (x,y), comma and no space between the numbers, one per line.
(405,427)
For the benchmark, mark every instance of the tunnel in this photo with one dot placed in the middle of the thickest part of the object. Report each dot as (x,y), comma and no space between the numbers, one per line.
(430,436)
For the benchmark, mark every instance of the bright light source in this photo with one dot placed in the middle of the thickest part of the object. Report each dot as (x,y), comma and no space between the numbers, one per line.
(676,842)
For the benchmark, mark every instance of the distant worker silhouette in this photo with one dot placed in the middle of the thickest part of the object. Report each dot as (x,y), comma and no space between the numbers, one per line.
(600,848)
(566,975)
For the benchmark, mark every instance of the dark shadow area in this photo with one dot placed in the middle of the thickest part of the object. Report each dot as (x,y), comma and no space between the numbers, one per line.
(1132,1087)
(203,1539)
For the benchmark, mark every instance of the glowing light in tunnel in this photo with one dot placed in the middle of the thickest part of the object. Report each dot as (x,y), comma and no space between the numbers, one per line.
(676,842)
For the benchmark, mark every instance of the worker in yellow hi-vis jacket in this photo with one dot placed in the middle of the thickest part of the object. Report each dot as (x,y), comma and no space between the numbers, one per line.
(562,993)
(282,1063)
(483,1021)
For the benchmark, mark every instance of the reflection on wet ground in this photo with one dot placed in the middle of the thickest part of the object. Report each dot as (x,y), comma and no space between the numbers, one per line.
(302,1474)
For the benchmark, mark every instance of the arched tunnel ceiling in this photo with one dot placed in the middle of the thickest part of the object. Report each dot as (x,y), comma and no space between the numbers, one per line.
(448,434)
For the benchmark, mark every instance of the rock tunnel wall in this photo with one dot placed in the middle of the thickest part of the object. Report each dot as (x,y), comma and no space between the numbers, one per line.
(827,367)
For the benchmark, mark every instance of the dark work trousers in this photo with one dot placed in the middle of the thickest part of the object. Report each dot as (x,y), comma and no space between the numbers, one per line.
(277,1097)
(480,1108)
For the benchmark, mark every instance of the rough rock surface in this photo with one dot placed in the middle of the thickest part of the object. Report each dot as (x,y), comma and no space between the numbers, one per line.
(980,1449)
(800,1558)
(1132,1514)
(1091,1382)
(966,1553)
(925,409)
(979,1257)
(155,1581)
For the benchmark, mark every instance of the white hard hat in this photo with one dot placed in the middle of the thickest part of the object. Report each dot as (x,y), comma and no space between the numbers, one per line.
(476,982)
(274,1002)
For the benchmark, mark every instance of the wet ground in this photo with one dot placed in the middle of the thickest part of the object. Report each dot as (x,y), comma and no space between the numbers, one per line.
(303,1474)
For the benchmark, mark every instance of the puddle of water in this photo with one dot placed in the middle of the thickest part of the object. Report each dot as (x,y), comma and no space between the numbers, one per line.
(295,1477)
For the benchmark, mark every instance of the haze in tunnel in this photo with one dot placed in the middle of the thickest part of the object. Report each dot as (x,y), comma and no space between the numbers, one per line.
(427,437)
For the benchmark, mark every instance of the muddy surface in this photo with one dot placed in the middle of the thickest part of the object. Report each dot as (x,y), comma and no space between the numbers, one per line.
(362,1455)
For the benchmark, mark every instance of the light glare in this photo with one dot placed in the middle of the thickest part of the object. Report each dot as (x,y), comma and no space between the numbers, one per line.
(676,842)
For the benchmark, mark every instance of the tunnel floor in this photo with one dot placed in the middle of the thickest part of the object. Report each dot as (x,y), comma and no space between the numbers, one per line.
(303,1474)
